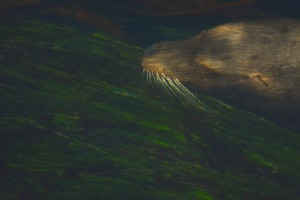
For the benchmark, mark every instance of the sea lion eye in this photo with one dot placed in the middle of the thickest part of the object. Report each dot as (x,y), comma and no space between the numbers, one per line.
(206,70)
(258,77)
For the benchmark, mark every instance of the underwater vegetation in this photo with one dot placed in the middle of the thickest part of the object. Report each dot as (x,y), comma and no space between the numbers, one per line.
(79,121)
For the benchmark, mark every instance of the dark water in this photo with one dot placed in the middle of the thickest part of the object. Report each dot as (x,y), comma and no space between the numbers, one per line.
(79,121)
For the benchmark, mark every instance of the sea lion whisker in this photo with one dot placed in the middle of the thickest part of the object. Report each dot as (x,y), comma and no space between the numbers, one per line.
(173,85)
(166,86)
(172,88)
(150,77)
(179,94)
(147,76)
(181,86)
(169,88)
(186,91)
(157,80)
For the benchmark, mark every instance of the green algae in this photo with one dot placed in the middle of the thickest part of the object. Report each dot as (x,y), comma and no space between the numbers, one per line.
(262,162)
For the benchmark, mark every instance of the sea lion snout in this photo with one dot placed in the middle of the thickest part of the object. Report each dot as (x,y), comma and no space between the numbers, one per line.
(159,58)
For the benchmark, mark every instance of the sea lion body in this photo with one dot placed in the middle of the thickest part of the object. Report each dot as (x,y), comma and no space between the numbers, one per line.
(254,65)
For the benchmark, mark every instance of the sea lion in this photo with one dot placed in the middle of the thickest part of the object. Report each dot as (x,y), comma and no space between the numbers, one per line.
(254,65)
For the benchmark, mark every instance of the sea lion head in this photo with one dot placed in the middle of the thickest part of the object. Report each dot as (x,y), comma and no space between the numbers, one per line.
(254,65)
(213,62)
